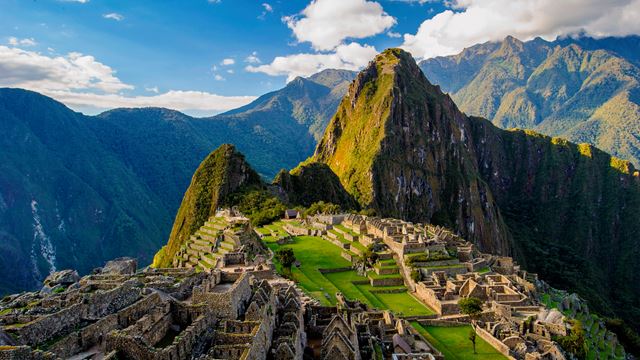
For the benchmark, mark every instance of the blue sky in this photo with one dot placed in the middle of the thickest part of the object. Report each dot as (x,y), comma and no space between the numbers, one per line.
(95,53)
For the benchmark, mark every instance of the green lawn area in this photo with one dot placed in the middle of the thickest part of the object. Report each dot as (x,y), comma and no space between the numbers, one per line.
(339,237)
(345,229)
(313,253)
(453,342)
(316,253)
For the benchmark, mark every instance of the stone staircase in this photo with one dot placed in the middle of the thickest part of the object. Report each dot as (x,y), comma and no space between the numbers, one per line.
(206,247)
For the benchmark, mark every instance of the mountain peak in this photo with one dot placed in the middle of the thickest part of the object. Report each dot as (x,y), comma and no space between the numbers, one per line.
(220,174)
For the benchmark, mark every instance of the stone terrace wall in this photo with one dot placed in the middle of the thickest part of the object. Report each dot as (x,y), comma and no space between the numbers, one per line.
(497,344)
(228,304)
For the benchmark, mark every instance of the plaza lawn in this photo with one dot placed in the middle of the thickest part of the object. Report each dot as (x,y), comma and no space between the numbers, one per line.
(454,343)
(313,253)
(316,253)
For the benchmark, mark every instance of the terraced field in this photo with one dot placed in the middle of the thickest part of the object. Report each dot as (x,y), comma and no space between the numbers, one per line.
(315,253)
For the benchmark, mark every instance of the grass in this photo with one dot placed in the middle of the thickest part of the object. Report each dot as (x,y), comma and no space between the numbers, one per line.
(454,343)
(345,229)
(316,253)
(313,253)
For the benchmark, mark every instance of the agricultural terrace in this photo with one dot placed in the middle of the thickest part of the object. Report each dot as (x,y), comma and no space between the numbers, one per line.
(315,253)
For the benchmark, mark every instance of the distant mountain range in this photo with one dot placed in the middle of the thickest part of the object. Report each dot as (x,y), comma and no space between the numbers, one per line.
(78,190)
(584,89)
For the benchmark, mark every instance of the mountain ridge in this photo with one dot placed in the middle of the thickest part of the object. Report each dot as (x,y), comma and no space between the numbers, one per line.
(149,154)
(570,87)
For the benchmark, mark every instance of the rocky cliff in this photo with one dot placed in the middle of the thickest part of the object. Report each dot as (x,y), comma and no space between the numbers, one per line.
(222,173)
(401,146)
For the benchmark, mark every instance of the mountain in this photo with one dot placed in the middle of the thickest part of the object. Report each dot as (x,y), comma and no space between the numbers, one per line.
(400,146)
(582,89)
(222,173)
(65,200)
(78,190)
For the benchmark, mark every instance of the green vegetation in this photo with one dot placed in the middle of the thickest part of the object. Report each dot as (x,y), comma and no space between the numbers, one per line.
(575,341)
(260,206)
(315,253)
(629,338)
(285,257)
(453,343)
(322,207)
(470,306)
(223,172)
(593,91)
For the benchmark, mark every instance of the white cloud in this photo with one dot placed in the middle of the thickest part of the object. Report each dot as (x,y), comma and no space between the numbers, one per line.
(214,1)
(227,62)
(218,77)
(39,72)
(83,83)
(351,57)
(14,41)
(476,21)
(327,23)
(113,16)
(78,1)
(152,89)
(190,102)
(253,58)
(392,34)
(267,9)
(230,71)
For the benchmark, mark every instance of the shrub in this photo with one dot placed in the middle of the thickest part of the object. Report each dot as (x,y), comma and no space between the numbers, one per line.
(322,207)
(416,275)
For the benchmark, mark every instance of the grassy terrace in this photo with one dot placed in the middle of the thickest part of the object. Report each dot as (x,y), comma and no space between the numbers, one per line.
(454,343)
(316,253)
(340,237)
(345,229)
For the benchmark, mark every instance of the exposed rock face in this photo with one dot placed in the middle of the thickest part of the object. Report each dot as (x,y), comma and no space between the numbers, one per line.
(121,266)
(63,277)
(569,212)
(223,172)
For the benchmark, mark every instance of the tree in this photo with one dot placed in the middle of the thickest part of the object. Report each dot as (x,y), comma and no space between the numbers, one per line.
(322,207)
(369,256)
(286,257)
(470,306)
(473,307)
(416,275)
(472,338)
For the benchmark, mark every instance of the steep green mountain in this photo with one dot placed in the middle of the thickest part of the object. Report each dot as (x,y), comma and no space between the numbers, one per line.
(222,173)
(77,190)
(584,89)
(65,200)
(310,183)
(569,212)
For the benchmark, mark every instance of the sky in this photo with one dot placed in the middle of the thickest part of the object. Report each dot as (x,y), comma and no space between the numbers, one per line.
(207,56)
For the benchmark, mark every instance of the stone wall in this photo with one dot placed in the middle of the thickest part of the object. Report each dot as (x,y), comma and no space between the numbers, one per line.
(497,344)
(429,297)
(229,303)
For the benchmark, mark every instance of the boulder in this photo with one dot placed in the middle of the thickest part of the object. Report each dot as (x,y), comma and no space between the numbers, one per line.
(63,277)
(121,266)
